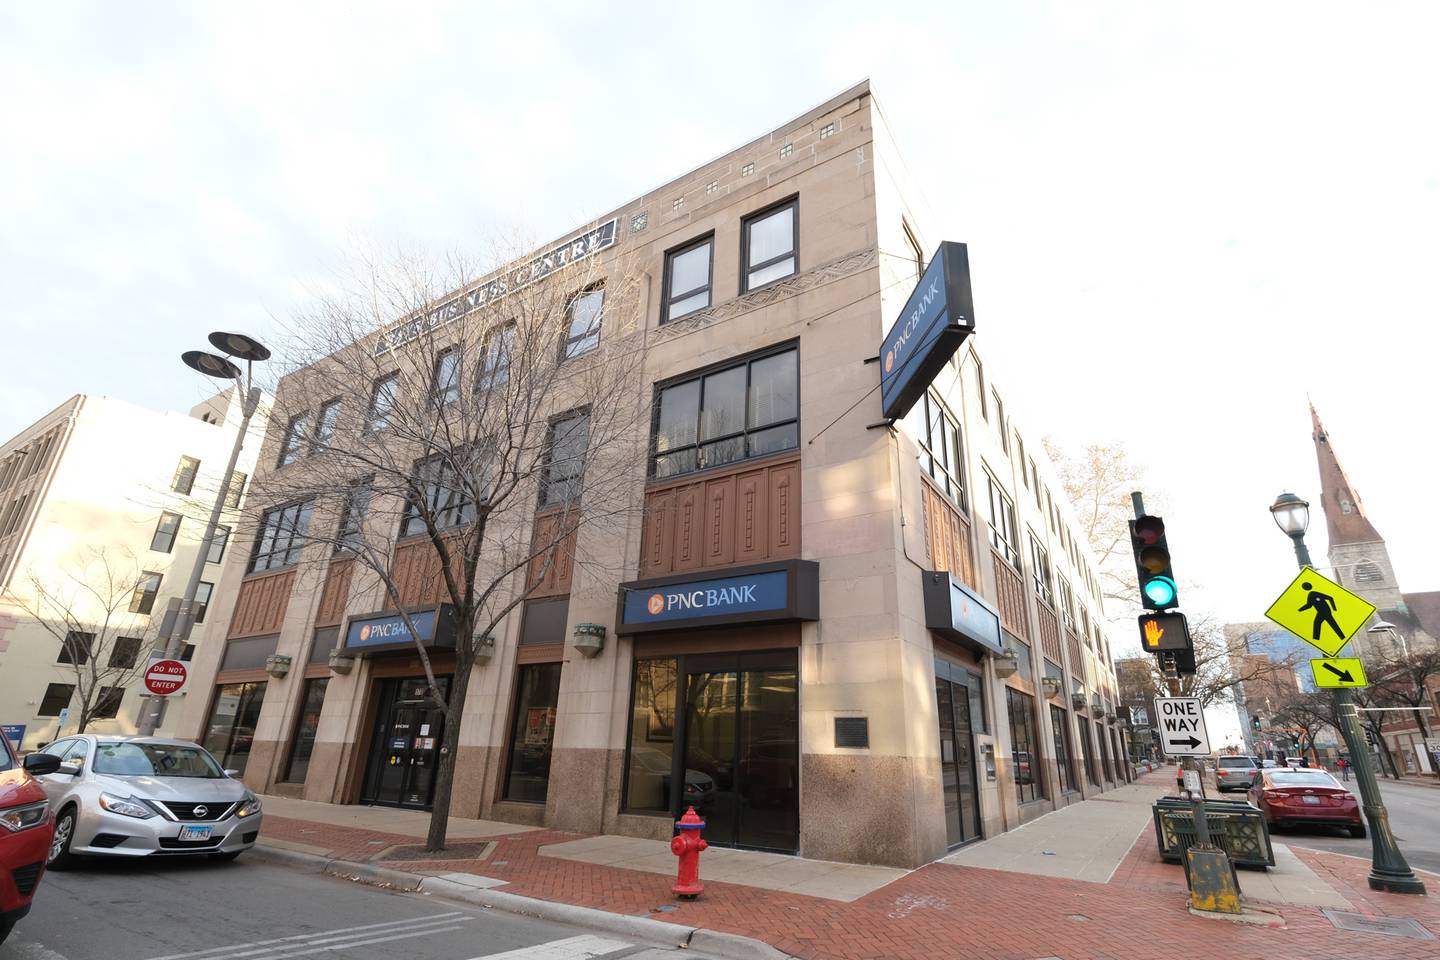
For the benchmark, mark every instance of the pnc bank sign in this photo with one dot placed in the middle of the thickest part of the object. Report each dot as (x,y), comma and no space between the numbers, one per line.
(767,593)
(933,324)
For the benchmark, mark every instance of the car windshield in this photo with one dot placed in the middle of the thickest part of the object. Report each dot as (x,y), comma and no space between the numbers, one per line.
(1301,778)
(129,759)
(1236,762)
(7,759)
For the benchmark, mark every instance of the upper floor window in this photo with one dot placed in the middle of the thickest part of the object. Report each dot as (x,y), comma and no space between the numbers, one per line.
(294,438)
(352,518)
(769,245)
(163,539)
(495,354)
(687,279)
(565,459)
(583,333)
(236,489)
(217,544)
(325,425)
(1040,568)
(281,536)
(445,382)
(185,473)
(745,410)
(1000,419)
(76,647)
(1004,534)
(442,496)
(1035,484)
(941,453)
(147,588)
(916,253)
(980,387)
(1067,601)
(382,402)
(203,590)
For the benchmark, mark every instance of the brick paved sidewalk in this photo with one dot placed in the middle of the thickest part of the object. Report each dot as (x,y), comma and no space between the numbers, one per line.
(940,910)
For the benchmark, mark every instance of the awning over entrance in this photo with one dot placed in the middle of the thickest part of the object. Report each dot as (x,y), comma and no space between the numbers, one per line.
(387,631)
(763,593)
(956,613)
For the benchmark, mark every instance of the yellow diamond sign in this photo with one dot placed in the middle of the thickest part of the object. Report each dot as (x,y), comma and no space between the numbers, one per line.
(1339,672)
(1320,612)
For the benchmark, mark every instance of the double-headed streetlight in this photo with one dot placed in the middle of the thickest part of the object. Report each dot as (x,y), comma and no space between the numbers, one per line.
(1388,869)
(234,346)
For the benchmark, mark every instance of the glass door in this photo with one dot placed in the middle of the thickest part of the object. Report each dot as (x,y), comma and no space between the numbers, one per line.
(405,751)
(957,763)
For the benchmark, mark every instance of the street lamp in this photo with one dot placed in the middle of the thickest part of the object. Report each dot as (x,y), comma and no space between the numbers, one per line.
(234,346)
(1388,869)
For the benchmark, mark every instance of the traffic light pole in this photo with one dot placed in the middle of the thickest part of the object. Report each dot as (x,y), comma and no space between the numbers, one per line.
(1388,869)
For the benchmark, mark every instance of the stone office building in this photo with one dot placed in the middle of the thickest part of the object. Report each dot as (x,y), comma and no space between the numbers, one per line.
(842,640)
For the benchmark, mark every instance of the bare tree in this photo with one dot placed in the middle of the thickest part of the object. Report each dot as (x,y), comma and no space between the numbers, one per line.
(473,440)
(1307,715)
(1098,482)
(97,608)
(1223,664)
(1374,722)
(1402,677)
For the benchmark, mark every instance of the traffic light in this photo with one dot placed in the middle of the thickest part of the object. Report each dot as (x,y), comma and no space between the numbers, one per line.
(1164,631)
(1255,723)
(1152,564)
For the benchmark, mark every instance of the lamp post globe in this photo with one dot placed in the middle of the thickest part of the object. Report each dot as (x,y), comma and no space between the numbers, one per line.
(239,345)
(210,364)
(1292,515)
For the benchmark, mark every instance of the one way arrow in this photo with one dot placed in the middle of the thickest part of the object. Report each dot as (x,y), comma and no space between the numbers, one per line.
(1192,743)
(1343,675)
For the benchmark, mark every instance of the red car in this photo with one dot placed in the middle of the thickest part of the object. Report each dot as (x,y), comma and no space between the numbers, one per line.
(25,828)
(1306,796)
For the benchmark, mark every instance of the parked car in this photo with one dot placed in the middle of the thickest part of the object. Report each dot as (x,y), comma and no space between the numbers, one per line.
(1268,764)
(1292,797)
(699,787)
(25,830)
(145,796)
(1236,773)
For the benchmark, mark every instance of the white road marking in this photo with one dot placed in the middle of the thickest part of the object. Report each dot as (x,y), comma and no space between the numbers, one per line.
(571,948)
(284,943)
(30,950)
(347,944)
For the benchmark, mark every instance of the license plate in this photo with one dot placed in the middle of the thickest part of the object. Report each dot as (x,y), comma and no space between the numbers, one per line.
(1309,799)
(195,833)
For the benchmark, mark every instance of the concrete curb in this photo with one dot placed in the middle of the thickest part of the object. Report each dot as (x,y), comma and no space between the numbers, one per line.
(729,946)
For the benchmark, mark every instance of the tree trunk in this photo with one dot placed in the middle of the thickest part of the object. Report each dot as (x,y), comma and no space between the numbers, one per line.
(1420,722)
(450,749)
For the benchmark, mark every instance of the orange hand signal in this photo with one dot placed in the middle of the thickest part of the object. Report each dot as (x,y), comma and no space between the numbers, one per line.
(1153,633)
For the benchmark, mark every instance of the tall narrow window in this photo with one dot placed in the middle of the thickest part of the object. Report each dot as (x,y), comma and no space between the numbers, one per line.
(917,254)
(107,703)
(445,380)
(495,354)
(1024,746)
(185,472)
(382,403)
(57,697)
(76,647)
(1004,534)
(294,438)
(1020,459)
(307,722)
(565,463)
(941,453)
(583,334)
(980,386)
(1063,762)
(443,497)
(142,599)
(235,489)
(218,543)
(687,279)
(1040,568)
(325,425)
(770,243)
(163,540)
(202,599)
(527,776)
(1035,485)
(351,532)
(125,652)
(281,536)
(652,735)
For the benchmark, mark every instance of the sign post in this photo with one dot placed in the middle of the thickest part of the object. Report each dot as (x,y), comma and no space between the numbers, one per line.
(165,678)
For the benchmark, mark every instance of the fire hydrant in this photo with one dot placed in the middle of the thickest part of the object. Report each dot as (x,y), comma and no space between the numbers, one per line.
(687,845)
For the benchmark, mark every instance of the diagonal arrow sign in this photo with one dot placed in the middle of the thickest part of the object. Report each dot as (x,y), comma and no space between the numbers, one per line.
(1342,674)
(1191,742)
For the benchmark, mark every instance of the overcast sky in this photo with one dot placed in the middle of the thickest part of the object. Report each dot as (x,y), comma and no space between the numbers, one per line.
(1182,218)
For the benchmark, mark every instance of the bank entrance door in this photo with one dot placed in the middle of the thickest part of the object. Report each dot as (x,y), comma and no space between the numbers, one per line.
(957,763)
(740,728)
(405,745)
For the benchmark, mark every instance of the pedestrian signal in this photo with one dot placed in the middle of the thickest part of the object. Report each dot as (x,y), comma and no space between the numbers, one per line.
(1152,564)
(1164,631)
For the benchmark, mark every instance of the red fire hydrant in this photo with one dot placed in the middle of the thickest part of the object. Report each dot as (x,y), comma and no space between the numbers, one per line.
(687,845)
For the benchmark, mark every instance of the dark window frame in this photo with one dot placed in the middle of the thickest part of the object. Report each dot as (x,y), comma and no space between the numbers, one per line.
(295,532)
(125,652)
(388,384)
(568,343)
(748,221)
(162,536)
(52,691)
(235,488)
(199,607)
(1006,546)
(1024,706)
(458,509)
(143,600)
(326,423)
(1064,761)
(349,530)
(547,477)
(107,703)
(493,346)
(446,393)
(667,300)
(517,692)
(1040,570)
(932,407)
(186,473)
(310,684)
(75,645)
(293,440)
(215,552)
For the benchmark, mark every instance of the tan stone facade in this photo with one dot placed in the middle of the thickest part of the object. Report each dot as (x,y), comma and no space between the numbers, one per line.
(848,494)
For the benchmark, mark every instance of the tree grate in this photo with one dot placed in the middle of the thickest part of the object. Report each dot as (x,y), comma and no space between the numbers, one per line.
(1388,926)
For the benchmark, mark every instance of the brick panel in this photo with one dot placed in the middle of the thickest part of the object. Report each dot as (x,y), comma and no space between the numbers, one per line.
(335,593)
(418,576)
(1049,633)
(1011,590)
(947,536)
(551,573)
(260,607)
(1077,662)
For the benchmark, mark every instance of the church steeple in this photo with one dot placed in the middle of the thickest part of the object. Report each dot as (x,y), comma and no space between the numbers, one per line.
(1345,518)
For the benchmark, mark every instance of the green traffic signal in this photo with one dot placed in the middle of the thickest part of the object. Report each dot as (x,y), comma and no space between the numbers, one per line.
(1160,591)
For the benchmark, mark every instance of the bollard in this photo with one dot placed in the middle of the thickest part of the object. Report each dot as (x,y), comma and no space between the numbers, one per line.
(687,845)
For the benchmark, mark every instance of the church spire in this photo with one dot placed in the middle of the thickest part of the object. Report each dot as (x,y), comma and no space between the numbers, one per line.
(1345,518)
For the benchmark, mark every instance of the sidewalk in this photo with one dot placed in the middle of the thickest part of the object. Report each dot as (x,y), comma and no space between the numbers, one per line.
(985,903)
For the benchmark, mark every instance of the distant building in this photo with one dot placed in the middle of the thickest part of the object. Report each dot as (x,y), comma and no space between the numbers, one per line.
(1136,677)
(98,474)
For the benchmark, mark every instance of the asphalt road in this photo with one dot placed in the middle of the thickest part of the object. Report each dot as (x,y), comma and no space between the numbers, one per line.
(199,910)
(1414,817)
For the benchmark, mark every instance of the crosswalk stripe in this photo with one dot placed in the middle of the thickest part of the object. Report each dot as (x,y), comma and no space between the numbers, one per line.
(571,948)
(228,949)
(307,949)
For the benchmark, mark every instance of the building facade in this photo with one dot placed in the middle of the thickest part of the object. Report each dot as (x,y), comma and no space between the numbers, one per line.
(848,639)
(103,507)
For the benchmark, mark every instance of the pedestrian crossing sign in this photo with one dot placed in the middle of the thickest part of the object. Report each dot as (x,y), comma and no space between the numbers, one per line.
(1320,612)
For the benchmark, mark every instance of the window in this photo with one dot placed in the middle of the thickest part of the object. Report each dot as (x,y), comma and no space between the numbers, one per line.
(235,489)
(565,462)
(1024,747)
(218,544)
(746,410)
(585,314)
(351,532)
(124,652)
(294,439)
(495,354)
(1004,534)
(687,279)
(281,536)
(202,599)
(107,703)
(999,420)
(1067,607)
(185,473)
(980,386)
(446,501)
(57,698)
(382,403)
(307,721)
(142,600)
(163,540)
(1035,485)
(1040,569)
(325,426)
(770,243)
(544,621)
(1020,459)
(1063,761)
(652,735)
(76,647)
(1050,509)
(527,775)
(445,380)
(1366,572)
(188,653)
(230,729)
(916,254)
(941,455)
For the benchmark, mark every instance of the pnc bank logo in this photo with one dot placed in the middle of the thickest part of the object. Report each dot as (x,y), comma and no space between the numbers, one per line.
(365,633)
(656,604)
(889,360)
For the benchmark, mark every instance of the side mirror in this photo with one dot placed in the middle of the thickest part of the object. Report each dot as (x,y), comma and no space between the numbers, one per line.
(233,774)
(41,764)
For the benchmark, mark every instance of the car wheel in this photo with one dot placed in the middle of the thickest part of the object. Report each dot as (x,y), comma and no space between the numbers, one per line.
(60,856)
(227,855)
(5,927)
(1357,831)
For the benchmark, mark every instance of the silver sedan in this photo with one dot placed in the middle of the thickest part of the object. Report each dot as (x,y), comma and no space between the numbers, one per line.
(145,796)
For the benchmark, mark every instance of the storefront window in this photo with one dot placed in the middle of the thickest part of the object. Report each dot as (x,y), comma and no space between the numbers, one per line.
(1063,759)
(652,736)
(231,729)
(305,726)
(1024,747)
(538,691)
(1088,749)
